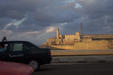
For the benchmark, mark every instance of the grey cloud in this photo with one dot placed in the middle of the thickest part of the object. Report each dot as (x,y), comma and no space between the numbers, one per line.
(44,13)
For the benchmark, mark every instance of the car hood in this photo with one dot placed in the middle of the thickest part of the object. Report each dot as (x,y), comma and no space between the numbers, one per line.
(11,68)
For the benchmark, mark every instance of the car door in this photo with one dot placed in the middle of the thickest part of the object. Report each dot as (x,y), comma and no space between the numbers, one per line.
(16,53)
(31,51)
(4,52)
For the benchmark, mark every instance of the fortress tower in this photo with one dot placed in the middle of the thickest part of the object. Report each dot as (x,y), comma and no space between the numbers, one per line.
(57,36)
(57,33)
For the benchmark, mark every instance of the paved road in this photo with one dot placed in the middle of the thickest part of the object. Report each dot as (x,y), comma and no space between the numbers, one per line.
(76,69)
(88,58)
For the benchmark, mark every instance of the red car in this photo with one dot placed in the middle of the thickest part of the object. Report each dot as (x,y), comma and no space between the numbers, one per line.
(10,68)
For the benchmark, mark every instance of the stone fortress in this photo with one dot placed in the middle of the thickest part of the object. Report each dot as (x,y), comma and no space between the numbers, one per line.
(80,41)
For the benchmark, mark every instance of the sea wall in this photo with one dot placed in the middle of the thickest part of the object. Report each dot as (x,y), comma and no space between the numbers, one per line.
(93,45)
(90,45)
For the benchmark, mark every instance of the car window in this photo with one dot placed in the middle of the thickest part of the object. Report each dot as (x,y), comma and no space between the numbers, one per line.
(3,47)
(29,46)
(18,47)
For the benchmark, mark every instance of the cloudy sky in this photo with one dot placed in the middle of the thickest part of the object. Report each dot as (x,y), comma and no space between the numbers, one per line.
(36,20)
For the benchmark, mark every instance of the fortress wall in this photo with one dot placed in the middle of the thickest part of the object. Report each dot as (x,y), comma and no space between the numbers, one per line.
(93,45)
(68,42)
(111,44)
(70,37)
(63,47)
(98,35)
(73,37)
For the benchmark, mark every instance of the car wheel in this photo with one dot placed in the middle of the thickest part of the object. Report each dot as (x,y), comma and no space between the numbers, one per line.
(34,64)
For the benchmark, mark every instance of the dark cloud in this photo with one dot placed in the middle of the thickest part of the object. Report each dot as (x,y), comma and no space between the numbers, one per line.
(96,16)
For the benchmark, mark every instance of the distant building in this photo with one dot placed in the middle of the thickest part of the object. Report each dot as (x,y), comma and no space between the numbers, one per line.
(80,41)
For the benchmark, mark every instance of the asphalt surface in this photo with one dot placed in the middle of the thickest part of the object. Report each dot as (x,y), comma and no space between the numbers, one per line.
(87,58)
(76,69)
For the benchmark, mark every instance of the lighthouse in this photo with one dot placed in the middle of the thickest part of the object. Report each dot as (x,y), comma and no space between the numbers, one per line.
(57,36)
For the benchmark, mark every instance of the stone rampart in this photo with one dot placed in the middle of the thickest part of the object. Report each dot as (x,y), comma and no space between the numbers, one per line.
(90,45)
